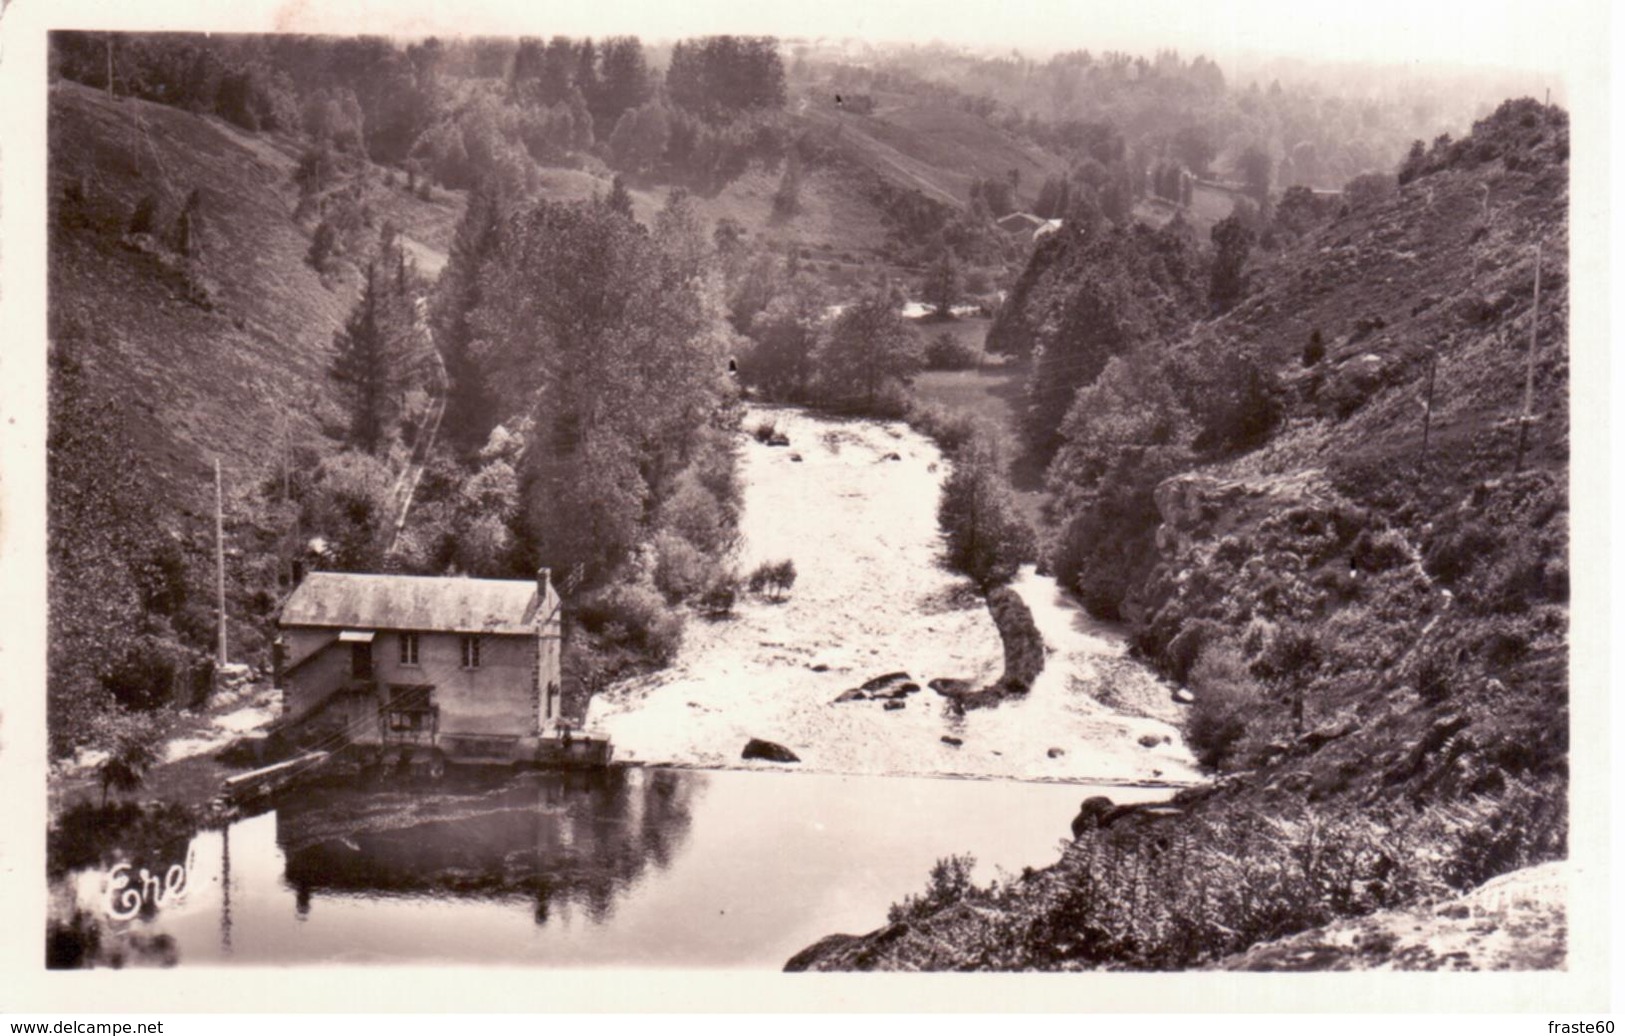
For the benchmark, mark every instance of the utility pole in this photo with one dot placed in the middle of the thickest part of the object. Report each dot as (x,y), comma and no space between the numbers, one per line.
(109,66)
(1529,373)
(220,556)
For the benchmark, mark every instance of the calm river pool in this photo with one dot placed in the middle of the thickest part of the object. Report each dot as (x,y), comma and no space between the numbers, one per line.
(631,867)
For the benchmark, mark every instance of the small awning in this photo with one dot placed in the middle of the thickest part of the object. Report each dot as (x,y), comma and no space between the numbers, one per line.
(357,636)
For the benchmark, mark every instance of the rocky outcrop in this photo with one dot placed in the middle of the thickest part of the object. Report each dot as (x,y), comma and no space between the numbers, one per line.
(768,751)
(889,688)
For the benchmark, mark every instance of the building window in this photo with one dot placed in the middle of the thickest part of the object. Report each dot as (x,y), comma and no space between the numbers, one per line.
(471,652)
(409,649)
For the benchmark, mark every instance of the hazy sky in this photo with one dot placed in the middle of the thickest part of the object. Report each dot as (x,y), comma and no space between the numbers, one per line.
(1553,36)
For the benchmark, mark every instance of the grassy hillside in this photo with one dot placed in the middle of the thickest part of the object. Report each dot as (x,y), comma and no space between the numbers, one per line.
(929,146)
(218,356)
(908,146)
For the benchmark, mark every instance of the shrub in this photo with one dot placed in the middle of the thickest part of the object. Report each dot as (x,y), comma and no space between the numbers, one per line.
(146,211)
(1432,677)
(322,246)
(720,593)
(949,430)
(131,741)
(774,578)
(1315,350)
(144,677)
(1379,551)
(947,352)
(679,569)
(765,431)
(1225,695)
(635,617)
(950,883)
(1187,645)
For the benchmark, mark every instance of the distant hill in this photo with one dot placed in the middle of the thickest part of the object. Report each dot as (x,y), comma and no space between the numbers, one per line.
(225,359)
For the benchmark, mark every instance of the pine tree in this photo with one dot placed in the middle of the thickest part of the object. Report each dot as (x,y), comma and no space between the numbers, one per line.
(468,418)
(620,199)
(368,367)
(942,284)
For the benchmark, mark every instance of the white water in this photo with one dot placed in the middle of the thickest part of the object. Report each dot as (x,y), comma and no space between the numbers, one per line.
(872,598)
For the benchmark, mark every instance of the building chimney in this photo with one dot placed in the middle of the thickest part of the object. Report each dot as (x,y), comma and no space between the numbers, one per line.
(544,577)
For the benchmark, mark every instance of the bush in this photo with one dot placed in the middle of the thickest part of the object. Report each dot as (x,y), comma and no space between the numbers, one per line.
(1225,696)
(949,430)
(718,598)
(774,578)
(323,245)
(634,617)
(950,883)
(146,211)
(765,431)
(1315,350)
(948,352)
(679,569)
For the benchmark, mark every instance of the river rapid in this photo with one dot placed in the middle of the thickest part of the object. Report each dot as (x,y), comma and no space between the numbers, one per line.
(853,503)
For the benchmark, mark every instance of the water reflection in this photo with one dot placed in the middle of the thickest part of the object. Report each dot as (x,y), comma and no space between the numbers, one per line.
(550,839)
(637,868)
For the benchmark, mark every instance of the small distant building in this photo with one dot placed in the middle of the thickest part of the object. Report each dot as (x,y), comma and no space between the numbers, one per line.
(1049,227)
(1019,224)
(468,667)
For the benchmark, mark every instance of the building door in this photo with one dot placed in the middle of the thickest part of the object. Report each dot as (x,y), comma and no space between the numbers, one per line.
(361,661)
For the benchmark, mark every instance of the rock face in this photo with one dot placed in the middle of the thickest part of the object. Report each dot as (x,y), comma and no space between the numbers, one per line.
(756,748)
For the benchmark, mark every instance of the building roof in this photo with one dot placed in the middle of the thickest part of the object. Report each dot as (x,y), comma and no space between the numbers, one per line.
(424,603)
(1016,222)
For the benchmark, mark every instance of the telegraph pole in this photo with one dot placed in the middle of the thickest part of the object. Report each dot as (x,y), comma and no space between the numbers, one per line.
(220,557)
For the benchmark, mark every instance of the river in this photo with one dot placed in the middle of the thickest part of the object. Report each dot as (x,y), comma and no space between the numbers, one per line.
(691,859)
(872,598)
(636,867)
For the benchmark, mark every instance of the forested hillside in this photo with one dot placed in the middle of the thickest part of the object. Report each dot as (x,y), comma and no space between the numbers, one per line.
(1319,510)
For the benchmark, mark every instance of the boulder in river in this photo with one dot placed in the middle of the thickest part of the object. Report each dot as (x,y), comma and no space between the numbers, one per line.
(949,686)
(1056,753)
(894,705)
(949,739)
(895,691)
(882,681)
(855,694)
(756,748)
